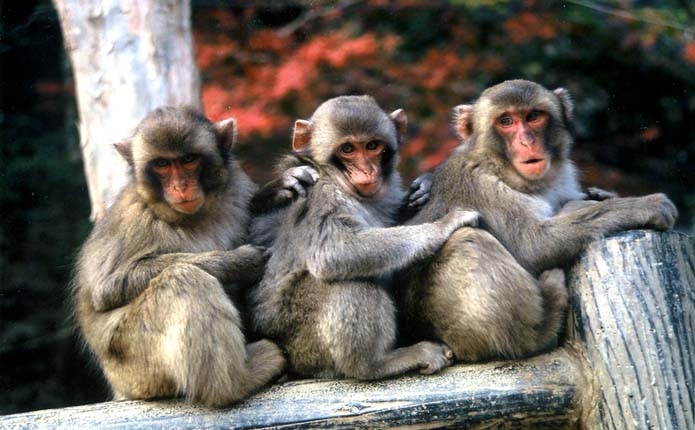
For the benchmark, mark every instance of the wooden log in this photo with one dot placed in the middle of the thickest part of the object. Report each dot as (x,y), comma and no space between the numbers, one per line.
(633,313)
(538,393)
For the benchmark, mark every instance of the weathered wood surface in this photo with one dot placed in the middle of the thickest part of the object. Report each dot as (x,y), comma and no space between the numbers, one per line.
(633,303)
(538,393)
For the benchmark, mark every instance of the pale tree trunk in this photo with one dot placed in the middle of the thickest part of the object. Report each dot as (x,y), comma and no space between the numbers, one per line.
(128,57)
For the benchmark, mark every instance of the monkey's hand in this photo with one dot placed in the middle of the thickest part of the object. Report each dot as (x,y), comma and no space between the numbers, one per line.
(593,193)
(663,211)
(296,181)
(457,218)
(420,191)
(247,263)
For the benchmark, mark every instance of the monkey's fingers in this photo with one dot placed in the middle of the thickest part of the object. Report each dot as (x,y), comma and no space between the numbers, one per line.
(306,174)
(423,181)
(467,218)
(418,198)
(593,193)
(665,212)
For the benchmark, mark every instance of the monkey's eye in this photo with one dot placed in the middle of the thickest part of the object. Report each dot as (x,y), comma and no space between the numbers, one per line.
(534,115)
(373,145)
(347,148)
(189,158)
(505,121)
(160,163)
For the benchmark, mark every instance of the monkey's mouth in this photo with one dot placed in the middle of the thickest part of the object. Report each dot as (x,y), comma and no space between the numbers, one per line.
(188,206)
(533,161)
(533,168)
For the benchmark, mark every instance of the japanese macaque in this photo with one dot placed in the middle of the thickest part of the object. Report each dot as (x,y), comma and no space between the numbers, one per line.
(491,292)
(325,293)
(153,281)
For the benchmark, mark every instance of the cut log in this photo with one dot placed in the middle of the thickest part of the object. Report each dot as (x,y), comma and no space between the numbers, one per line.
(538,393)
(633,306)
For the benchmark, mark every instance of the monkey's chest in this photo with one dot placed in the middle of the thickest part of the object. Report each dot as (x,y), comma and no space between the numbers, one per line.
(210,241)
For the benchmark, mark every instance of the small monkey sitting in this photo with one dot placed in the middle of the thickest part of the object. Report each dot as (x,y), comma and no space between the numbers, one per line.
(325,295)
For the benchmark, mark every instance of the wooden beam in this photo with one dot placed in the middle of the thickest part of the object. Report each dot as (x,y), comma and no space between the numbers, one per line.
(538,393)
(633,306)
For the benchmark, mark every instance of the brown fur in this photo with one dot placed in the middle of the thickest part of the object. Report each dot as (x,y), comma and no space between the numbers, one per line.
(497,293)
(151,284)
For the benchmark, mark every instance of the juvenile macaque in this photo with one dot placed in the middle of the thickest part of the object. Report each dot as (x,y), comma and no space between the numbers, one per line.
(480,294)
(152,280)
(325,294)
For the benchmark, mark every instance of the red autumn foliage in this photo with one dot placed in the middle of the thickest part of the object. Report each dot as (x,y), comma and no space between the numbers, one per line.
(269,75)
(689,52)
(528,25)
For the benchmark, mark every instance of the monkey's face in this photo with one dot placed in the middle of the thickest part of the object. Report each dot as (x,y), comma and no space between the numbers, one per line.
(354,135)
(362,163)
(523,132)
(179,181)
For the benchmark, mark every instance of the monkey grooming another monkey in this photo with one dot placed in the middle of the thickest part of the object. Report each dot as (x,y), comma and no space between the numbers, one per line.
(152,280)
(325,293)
(491,293)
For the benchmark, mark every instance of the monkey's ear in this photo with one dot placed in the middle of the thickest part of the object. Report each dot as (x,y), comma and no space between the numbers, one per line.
(400,120)
(126,151)
(566,102)
(226,134)
(463,123)
(301,136)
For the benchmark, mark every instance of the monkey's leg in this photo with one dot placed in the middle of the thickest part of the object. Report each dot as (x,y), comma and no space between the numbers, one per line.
(483,304)
(182,337)
(554,291)
(358,327)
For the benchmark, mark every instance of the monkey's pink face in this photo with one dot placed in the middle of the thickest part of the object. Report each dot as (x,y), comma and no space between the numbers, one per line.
(362,161)
(523,132)
(180,183)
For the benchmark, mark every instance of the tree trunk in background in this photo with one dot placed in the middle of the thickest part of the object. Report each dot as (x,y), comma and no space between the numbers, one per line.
(128,57)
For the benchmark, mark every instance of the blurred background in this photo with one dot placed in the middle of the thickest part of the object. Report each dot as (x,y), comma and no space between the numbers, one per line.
(630,66)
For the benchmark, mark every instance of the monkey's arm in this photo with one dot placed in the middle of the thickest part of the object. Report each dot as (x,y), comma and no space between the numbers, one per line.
(344,251)
(244,264)
(539,242)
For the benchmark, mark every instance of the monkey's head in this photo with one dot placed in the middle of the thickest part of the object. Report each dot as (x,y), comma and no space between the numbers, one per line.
(523,125)
(179,159)
(354,135)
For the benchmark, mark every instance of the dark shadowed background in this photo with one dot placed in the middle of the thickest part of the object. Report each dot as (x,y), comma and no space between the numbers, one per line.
(630,66)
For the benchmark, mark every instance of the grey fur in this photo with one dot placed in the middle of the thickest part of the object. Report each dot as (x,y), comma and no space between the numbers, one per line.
(325,295)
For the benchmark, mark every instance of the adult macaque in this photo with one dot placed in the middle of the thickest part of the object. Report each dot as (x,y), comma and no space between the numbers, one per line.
(325,292)
(479,294)
(152,279)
